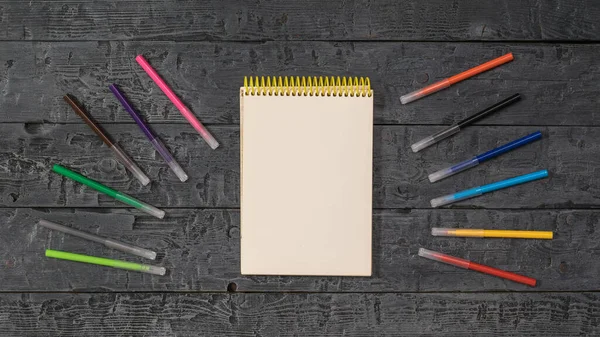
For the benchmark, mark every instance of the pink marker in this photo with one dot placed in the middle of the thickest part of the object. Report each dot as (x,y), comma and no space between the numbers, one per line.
(212,142)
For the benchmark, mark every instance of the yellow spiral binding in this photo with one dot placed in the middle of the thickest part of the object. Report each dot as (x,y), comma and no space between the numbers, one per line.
(307,86)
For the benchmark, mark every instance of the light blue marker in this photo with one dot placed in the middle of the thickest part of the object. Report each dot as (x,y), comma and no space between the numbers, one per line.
(480,158)
(476,191)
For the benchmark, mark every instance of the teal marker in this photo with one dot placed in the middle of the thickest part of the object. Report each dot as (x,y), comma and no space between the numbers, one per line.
(477,191)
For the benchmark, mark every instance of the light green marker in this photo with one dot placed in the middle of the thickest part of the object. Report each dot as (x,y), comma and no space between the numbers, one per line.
(144,268)
(122,197)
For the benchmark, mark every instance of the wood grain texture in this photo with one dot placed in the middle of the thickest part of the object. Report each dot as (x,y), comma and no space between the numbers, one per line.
(560,82)
(200,249)
(312,19)
(203,49)
(551,314)
(27,152)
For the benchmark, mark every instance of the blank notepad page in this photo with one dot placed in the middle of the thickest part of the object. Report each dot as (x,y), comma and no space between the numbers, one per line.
(306,184)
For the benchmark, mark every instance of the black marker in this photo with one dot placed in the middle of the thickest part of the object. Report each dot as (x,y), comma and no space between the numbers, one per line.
(455,128)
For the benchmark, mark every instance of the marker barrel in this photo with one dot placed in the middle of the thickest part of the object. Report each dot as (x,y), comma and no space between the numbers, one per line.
(444,173)
(428,141)
(204,133)
(479,190)
(445,83)
(156,143)
(108,191)
(465,264)
(57,254)
(94,238)
(121,156)
(492,233)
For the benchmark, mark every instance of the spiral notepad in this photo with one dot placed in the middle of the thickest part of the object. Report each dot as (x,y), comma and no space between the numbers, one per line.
(306,185)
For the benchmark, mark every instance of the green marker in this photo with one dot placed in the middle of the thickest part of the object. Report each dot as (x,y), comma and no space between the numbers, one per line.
(144,268)
(122,197)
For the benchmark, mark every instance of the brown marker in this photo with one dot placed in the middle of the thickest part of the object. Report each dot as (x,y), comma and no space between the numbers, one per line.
(123,158)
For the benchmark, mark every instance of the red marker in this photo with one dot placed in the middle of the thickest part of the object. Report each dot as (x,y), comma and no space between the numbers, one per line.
(458,262)
(445,83)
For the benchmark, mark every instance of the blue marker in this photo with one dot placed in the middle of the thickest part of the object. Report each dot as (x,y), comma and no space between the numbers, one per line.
(480,158)
(476,191)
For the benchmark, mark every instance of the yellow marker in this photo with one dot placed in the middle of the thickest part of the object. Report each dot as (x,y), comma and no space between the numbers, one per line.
(492,233)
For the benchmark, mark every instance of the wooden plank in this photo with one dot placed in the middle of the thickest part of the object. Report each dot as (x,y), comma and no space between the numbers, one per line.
(549,314)
(558,82)
(200,249)
(27,152)
(311,19)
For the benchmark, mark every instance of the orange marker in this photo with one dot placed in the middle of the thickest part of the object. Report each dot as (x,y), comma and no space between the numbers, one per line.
(445,83)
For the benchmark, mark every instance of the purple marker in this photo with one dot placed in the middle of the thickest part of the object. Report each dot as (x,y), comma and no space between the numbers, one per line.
(158,145)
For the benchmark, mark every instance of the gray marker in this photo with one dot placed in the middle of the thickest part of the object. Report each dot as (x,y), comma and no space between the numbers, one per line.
(107,242)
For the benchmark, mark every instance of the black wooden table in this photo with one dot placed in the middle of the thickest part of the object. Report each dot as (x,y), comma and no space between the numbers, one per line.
(203,49)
